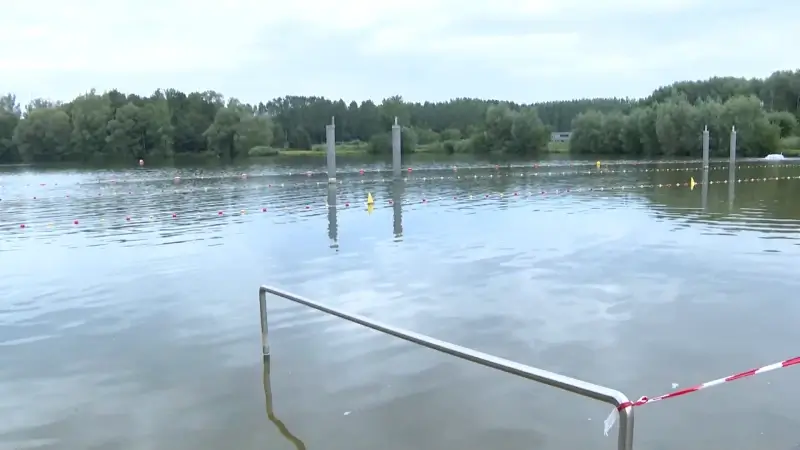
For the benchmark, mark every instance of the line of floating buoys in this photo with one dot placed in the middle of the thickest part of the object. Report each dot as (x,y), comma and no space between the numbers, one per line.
(541,173)
(406,180)
(372,202)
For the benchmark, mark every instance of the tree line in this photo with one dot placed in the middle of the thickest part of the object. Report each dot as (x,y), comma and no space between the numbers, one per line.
(168,123)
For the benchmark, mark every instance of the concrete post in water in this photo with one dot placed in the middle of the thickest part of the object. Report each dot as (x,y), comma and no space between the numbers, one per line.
(733,145)
(705,147)
(330,139)
(398,189)
(333,225)
(396,147)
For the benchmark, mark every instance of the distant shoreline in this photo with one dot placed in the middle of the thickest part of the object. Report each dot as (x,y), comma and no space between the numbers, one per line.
(361,149)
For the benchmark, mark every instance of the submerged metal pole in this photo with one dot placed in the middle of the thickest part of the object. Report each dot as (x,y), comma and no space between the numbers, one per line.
(733,145)
(706,149)
(330,139)
(396,148)
(298,444)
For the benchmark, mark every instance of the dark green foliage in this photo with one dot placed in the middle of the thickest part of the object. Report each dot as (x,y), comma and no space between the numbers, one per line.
(170,122)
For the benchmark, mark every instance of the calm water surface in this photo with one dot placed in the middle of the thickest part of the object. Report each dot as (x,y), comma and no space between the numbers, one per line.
(134,329)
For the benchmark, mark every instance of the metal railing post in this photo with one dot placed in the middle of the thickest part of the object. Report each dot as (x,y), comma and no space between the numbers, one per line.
(625,434)
(262,302)
(582,388)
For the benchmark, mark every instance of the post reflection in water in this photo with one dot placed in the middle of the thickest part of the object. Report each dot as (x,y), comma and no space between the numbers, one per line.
(333,226)
(298,444)
(398,189)
(704,191)
(731,186)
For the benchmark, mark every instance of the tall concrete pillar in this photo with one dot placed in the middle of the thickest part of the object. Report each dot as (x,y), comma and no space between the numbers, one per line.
(396,148)
(330,140)
(733,145)
(706,147)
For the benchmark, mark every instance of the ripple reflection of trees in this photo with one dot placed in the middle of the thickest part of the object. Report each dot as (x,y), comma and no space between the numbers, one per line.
(769,206)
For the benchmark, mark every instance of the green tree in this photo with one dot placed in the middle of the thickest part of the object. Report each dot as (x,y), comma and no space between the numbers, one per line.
(44,135)
(171,123)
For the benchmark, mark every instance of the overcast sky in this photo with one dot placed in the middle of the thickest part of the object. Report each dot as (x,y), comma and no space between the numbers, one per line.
(522,50)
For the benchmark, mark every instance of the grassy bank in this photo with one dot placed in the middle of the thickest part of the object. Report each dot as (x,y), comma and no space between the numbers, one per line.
(361,149)
(789,146)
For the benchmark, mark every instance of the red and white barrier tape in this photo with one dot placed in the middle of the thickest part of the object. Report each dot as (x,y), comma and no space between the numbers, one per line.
(612,418)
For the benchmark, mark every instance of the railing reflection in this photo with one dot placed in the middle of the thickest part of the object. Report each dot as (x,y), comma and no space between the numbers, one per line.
(398,190)
(298,444)
(333,225)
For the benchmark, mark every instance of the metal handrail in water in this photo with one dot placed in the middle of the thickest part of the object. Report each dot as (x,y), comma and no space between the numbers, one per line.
(582,388)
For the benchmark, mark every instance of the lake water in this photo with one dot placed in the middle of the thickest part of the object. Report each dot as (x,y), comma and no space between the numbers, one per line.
(129,307)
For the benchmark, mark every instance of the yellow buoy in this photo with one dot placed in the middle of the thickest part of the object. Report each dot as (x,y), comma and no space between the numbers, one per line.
(597,164)
(370,208)
(691,183)
(370,200)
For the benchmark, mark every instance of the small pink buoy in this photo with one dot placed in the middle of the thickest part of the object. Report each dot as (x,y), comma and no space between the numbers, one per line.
(128,218)
(515,193)
(409,169)
(74,222)
(424,200)
(174,215)
(361,171)
(263,209)
(219,213)
(308,207)
(391,202)
(22,225)
(347,205)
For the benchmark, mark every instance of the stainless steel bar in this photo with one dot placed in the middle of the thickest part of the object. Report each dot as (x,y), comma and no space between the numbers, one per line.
(583,388)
